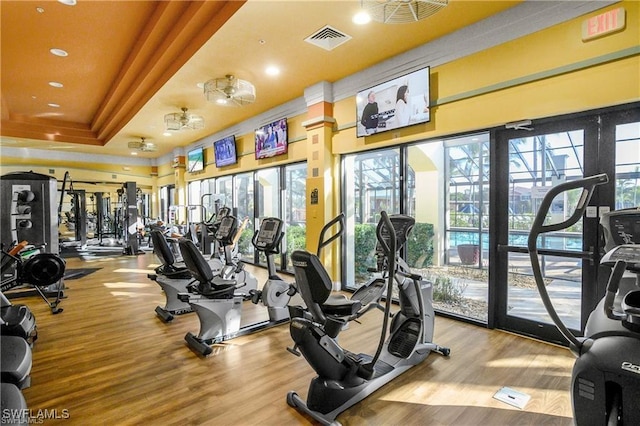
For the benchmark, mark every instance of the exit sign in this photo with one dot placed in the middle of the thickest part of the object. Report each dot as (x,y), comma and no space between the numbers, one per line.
(603,24)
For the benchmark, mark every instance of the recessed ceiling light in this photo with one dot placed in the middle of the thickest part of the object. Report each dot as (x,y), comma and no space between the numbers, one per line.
(272,70)
(59,52)
(39,9)
(55,84)
(52,105)
(361,18)
(68,2)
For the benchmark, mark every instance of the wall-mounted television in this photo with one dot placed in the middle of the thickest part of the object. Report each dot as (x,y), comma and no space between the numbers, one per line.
(400,102)
(271,139)
(195,160)
(225,151)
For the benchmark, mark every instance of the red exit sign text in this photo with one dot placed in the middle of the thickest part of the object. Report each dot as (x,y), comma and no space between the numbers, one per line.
(604,23)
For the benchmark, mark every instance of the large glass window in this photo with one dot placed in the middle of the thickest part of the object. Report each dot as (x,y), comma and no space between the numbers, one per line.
(371,184)
(449,244)
(268,200)
(268,192)
(194,208)
(445,186)
(167,202)
(244,210)
(278,192)
(294,210)
(446,191)
(208,199)
(224,192)
(627,165)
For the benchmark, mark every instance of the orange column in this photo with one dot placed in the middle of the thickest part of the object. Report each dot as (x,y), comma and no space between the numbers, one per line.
(322,200)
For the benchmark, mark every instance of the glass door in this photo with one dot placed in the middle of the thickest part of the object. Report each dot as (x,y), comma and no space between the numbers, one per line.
(530,161)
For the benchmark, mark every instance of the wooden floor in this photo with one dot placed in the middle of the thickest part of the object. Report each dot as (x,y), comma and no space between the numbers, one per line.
(108,360)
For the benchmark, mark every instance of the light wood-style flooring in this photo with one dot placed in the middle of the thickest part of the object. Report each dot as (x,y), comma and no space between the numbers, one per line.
(108,360)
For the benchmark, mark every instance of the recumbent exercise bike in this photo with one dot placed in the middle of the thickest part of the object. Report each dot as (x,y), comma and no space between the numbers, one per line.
(345,378)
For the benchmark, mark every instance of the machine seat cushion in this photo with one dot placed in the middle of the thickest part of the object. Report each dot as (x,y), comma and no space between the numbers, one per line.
(218,291)
(11,398)
(339,305)
(195,262)
(15,360)
(161,248)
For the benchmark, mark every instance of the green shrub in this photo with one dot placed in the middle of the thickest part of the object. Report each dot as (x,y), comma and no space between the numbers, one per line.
(244,242)
(365,245)
(296,238)
(447,290)
(420,246)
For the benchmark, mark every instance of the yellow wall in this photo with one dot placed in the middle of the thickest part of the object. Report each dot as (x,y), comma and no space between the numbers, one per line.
(245,147)
(107,177)
(547,73)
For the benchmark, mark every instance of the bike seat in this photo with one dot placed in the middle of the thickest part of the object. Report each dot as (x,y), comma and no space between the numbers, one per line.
(339,305)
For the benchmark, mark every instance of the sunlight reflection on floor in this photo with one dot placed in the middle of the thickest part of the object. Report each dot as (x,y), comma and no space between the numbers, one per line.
(134,271)
(131,294)
(468,395)
(128,285)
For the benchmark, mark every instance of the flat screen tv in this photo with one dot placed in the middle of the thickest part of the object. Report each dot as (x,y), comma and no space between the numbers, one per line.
(398,103)
(271,139)
(225,151)
(195,160)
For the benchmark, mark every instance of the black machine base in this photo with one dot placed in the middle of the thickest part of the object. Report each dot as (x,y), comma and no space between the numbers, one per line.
(168,316)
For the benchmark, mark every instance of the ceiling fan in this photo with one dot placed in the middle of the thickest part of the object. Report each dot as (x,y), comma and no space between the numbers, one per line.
(402,11)
(142,145)
(229,91)
(183,121)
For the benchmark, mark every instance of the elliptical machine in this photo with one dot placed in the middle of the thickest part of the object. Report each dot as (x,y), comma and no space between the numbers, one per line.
(345,378)
(605,382)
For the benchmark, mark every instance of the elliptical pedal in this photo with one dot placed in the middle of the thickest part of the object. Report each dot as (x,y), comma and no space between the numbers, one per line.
(405,339)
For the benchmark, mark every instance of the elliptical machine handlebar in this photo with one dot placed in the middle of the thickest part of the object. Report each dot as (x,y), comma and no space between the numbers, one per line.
(538,227)
(390,250)
(612,288)
(340,221)
(587,184)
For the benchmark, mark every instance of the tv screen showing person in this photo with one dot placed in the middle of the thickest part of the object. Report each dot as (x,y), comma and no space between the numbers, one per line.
(398,103)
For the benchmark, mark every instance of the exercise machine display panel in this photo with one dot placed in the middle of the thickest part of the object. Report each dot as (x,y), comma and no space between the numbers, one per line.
(269,234)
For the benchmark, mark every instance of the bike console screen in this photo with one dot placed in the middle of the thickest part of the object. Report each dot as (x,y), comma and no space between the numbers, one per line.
(227,229)
(621,227)
(269,233)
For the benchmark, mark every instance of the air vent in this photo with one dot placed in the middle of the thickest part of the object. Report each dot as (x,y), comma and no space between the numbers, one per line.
(328,38)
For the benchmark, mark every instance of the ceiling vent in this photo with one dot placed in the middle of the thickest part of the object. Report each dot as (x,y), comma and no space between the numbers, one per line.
(328,38)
